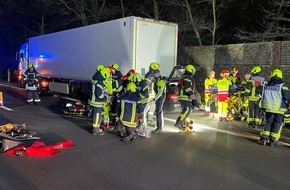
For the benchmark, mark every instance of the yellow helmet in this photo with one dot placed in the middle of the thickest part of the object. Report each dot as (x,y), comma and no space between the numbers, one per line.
(100,67)
(154,65)
(190,69)
(30,65)
(131,87)
(105,72)
(115,66)
(278,73)
(256,69)
(137,78)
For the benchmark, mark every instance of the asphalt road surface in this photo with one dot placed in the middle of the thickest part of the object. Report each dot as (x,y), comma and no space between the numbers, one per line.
(218,155)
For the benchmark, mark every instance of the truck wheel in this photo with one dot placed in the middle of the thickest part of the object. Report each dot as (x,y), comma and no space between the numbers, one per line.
(74,90)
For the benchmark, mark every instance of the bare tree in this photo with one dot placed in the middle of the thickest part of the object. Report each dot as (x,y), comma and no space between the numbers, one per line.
(87,11)
(201,16)
(274,25)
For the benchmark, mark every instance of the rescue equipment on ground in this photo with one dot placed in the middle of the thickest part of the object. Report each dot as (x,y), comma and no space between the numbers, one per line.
(14,135)
(39,148)
(144,132)
(75,108)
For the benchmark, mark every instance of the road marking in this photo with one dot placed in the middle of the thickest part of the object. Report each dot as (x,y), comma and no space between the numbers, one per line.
(12,86)
(230,132)
(5,108)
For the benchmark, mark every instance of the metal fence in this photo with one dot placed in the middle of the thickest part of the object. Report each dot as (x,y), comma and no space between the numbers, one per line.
(268,55)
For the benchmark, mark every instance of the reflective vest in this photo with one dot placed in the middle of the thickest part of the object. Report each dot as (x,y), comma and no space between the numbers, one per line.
(272,99)
(256,81)
(223,89)
(159,88)
(143,92)
(209,84)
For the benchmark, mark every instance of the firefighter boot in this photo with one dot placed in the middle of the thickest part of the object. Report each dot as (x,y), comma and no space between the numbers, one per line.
(179,124)
(131,136)
(262,141)
(98,131)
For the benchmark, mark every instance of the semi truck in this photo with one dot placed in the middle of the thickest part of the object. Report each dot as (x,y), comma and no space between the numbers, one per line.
(67,59)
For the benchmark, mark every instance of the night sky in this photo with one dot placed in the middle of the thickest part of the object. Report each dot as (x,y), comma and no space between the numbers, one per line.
(21,19)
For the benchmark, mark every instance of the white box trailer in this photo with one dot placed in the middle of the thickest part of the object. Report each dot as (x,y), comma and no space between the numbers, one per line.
(69,58)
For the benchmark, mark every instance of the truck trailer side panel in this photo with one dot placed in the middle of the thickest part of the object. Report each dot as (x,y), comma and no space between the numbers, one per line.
(155,41)
(74,54)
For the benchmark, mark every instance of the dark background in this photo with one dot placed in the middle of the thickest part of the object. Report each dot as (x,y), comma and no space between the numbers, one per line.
(236,21)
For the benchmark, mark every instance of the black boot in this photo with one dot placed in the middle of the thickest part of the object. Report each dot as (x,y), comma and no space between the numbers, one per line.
(157,130)
(131,136)
(179,124)
(98,131)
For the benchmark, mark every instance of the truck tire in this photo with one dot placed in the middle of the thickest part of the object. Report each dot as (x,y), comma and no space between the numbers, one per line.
(74,90)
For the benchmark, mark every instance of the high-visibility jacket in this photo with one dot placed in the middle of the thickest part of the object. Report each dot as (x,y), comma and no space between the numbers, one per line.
(223,89)
(185,87)
(251,86)
(128,109)
(143,92)
(275,96)
(31,79)
(97,91)
(159,88)
(209,83)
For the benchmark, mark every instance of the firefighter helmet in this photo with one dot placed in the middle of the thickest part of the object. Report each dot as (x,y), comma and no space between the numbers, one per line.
(131,87)
(30,65)
(256,69)
(154,65)
(225,73)
(100,67)
(137,78)
(105,72)
(115,66)
(190,69)
(278,73)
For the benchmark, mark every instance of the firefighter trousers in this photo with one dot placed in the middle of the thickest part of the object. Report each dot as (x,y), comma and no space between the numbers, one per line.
(273,126)
(254,112)
(159,112)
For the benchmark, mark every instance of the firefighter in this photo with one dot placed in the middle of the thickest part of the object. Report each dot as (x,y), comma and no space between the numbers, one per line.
(142,90)
(128,78)
(108,92)
(223,85)
(275,101)
(209,89)
(235,77)
(185,96)
(97,97)
(117,85)
(30,79)
(149,78)
(254,113)
(127,111)
(160,96)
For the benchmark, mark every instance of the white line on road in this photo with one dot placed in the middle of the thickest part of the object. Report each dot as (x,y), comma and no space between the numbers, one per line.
(5,108)
(231,133)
